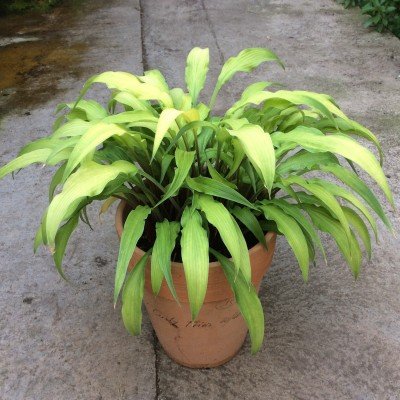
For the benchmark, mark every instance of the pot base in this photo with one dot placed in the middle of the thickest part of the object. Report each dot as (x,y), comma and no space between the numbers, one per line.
(199,366)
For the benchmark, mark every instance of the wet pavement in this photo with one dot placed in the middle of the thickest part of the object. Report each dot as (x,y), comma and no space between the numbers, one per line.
(332,338)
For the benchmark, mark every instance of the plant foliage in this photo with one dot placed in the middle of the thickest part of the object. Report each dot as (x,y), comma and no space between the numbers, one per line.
(198,183)
(381,14)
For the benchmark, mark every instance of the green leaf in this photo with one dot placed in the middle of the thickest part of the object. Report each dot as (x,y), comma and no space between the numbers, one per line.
(294,211)
(135,118)
(194,245)
(113,79)
(165,163)
(304,161)
(245,61)
(358,224)
(166,234)
(89,181)
(190,126)
(92,108)
(212,187)
(94,136)
(23,161)
(248,219)
(247,300)
(326,223)
(184,161)
(217,176)
(218,216)
(156,78)
(324,195)
(293,233)
(315,101)
(258,147)
(61,241)
(312,140)
(76,127)
(254,88)
(167,118)
(132,297)
(340,192)
(355,183)
(126,82)
(348,126)
(238,156)
(133,230)
(128,99)
(196,71)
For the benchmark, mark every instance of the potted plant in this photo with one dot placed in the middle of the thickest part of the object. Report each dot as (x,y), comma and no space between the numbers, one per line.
(198,190)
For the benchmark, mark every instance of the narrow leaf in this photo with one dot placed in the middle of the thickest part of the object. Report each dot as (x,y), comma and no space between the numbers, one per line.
(293,233)
(184,161)
(218,216)
(213,187)
(166,234)
(61,241)
(133,230)
(249,220)
(312,140)
(247,300)
(132,297)
(194,245)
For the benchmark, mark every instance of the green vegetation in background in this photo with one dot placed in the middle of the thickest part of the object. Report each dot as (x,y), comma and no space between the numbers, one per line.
(21,6)
(382,14)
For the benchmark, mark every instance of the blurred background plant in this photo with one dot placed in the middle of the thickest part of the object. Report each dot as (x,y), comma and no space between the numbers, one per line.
(21,6)
(382,14)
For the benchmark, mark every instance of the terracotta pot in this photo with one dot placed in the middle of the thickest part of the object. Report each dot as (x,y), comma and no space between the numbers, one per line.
(220,330)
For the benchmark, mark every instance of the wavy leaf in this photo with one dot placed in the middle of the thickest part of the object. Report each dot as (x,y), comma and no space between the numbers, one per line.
(245,61)
(89,181)
(196,71)
(313,141)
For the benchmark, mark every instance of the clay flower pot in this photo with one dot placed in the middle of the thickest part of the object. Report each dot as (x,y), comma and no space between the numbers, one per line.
(220,330)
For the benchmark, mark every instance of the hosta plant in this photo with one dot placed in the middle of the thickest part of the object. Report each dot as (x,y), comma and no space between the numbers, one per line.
(202,186)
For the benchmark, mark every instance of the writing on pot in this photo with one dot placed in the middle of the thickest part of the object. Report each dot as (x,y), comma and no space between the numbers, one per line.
(198,324)
(224,304)
(171,320)
(230,318)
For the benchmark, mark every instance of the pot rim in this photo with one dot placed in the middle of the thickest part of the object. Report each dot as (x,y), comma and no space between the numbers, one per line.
(120,227)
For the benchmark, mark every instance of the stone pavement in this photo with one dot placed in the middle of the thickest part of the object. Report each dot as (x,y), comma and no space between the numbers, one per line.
(331,338)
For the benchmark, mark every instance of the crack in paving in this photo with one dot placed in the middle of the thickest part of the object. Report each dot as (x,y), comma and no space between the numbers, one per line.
(212,31)
(143,44)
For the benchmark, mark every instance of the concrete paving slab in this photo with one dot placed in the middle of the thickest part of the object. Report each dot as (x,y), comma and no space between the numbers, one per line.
(58,340)
(332,338)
